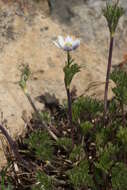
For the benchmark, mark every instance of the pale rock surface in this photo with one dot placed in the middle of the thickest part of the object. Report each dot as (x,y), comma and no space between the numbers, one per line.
(27,38)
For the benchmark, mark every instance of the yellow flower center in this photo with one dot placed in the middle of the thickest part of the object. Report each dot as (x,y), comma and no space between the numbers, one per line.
(68,44)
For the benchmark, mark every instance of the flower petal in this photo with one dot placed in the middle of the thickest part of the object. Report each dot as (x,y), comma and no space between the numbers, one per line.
(67,48)
(68,39)
(67,44)
(61,41)
(57,44)
(75,44)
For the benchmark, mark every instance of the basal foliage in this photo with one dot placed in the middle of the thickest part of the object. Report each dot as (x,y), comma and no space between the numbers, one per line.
(99,156)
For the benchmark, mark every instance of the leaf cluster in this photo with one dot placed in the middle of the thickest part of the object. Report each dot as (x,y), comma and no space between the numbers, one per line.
(122,137)
(70,70)
(86,128)
(25,74)
(120,79)
(119,176)
(41,144)
(106,158)
(86,108)
(79,176)
(112,13)
(77,154)
(64,142)
(44,182)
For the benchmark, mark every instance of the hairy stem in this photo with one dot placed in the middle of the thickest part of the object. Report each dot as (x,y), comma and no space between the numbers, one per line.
(69,103)
(123,115)
(107,76)
(70,113)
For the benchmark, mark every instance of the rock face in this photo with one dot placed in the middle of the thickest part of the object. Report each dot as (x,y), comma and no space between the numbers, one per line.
(26,37)
(85,19)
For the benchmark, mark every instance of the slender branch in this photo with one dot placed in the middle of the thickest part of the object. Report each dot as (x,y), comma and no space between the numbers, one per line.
(123,115)
(24,78)
(69,102)
(69,105)
(107,76)
(112,13)
(39,116)
(70,113)
(15,151)
(12,144)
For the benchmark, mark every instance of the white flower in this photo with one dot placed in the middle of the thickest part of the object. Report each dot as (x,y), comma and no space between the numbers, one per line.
(67,44)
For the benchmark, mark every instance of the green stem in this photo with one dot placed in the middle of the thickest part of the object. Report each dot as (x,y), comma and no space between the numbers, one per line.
(123,115)
(68,57)
(70,113)
(69,103)
(107,75)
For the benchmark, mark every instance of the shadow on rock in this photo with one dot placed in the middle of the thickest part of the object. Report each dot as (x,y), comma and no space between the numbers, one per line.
(50,101)
(62,10)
